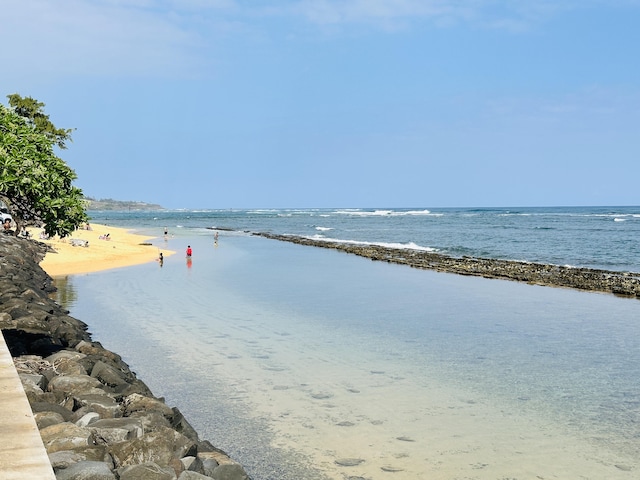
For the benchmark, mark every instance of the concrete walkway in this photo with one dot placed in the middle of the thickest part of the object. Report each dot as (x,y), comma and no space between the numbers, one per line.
(22,454)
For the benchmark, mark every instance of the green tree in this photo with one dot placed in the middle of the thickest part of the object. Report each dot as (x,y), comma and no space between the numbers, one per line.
(36,185)
(32,110)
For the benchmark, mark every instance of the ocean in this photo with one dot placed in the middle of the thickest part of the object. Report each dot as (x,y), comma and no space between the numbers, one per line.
(309,363)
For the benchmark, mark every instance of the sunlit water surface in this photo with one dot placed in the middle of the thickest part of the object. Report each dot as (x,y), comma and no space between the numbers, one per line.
(305,363)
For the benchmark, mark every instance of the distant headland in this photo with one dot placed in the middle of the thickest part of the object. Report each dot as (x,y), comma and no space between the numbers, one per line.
(111,204)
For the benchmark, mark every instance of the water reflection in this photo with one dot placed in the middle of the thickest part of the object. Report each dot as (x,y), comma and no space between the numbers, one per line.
(65,294)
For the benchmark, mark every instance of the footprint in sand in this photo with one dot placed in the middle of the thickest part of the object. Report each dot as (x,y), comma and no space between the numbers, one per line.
(321,396)
(349,462)
(388,468)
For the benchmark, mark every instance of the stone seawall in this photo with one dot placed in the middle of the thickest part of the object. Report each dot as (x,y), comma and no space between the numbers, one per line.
(618,283)
(96,419)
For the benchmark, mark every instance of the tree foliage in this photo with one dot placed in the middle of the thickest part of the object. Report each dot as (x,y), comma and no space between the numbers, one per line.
(32,110)
(36,185)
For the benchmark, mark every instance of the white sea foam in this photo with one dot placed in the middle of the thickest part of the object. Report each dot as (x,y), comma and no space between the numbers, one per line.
(397,246)
(618,219)
(324,229)
(387,213)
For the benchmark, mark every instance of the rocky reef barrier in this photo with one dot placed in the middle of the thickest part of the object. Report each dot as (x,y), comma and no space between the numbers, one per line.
(97,420)
(619,283)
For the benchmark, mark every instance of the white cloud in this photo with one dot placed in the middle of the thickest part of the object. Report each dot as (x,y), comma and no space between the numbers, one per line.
(179,37)
(76,37)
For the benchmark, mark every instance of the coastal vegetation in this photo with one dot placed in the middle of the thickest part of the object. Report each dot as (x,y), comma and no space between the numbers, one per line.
(35,184)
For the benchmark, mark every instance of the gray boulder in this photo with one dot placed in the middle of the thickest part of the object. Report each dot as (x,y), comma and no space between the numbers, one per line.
(146,471)
(231,471)
(116,430)
(65,436)
(73,383)
(188,475)
(65,458)
(86,471)
(46,419)
(99,402)
(161,446)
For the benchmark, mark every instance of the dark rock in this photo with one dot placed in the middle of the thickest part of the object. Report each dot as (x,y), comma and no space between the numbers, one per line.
(619,283)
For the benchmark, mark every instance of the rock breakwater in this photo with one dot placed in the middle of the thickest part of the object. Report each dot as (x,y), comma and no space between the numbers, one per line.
(97,420)
(618,283)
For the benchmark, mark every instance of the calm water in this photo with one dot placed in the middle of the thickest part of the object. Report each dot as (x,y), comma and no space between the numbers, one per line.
(310,363)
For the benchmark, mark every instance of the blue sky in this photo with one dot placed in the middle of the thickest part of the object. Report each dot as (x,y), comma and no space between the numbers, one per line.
(327,103)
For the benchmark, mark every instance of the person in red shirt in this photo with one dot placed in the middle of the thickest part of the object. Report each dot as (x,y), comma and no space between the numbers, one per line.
(189,252)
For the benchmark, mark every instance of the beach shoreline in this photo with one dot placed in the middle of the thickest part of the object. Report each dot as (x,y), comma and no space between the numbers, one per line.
(91,250)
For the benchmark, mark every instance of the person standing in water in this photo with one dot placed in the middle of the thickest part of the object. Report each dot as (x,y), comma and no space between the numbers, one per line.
(189,251)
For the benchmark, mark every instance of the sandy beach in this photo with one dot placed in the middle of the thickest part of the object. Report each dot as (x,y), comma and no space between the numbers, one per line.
(121,250)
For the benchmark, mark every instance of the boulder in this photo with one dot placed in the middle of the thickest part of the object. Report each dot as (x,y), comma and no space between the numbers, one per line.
(136,402)
(109,375)
(46,419)
(65,436)
(231,471)
(52,407)
(116,430)
(101,403)
(73,383)
(146,471)
(161,447)
(188,475)
(193,464)
(86,470)
(87,418)
(64,458)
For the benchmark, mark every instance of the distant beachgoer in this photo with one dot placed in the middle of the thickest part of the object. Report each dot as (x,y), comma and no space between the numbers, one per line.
(215,238)
(166,232)
(189,251)
(7,225)
(161,259)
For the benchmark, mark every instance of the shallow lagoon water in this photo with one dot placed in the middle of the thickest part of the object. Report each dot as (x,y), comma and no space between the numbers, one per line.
(309,363)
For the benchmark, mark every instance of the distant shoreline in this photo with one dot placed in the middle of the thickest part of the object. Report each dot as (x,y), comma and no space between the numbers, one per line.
(618,283)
